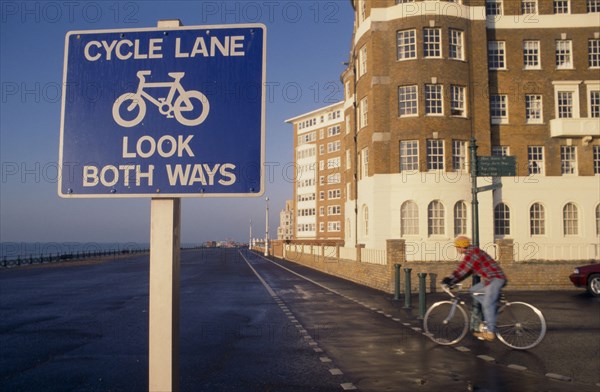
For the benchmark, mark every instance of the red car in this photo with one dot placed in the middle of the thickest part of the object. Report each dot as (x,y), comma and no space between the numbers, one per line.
(587,276)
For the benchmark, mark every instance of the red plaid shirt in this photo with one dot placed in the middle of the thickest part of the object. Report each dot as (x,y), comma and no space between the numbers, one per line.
(476,261)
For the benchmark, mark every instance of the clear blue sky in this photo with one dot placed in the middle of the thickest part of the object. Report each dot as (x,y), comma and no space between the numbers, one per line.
(307,43)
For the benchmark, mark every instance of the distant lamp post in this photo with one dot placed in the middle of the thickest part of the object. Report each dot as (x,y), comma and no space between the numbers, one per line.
(250,238)
(267,229)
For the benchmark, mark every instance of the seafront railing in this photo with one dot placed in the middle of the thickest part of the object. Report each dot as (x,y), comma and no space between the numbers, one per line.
(48,258)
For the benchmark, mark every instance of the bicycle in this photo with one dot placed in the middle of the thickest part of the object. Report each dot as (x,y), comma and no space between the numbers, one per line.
(183,104)
(519,325)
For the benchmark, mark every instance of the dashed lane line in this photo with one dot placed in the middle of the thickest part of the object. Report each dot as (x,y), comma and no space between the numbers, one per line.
(301,330)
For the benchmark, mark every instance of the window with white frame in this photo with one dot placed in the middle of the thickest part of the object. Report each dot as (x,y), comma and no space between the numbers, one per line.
(493,7)
(535,159)
(332,131)
(432,42)
(500,151)
(533,109)
(499,108)
(457,101)
(334,210)
(531,55)
(434,99)
(565,104)
(456,41)
(435,154)
(596,158)
(501,220)
(594,53)
(459,155)
(364,162)
(362,61)
(537,219)
(460,218)
(334,194)
(407,44)
(497,55)
(348,160)
(568,160)
(408,101)
(334,146)
(435,218)
(561,7)
(593,5)
(364,108)
(362,10)
(409,218)
(528,7)
(409,155)
(570,219)
(566,99)
(564,54)
(334,227)
(594,103)
(334,163)
(334,178)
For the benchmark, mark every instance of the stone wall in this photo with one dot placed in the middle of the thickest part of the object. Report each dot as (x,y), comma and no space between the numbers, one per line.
(538,275)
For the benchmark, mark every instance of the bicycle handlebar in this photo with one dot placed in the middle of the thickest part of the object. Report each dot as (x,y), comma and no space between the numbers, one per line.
(448,288)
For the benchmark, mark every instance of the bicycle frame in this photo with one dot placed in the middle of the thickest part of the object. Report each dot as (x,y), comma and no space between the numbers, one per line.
(174,86)
(520,325)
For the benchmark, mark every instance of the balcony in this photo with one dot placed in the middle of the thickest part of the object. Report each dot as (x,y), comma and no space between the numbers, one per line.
(575,127)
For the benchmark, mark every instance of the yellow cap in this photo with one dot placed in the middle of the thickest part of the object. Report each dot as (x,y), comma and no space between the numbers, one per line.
(462,242)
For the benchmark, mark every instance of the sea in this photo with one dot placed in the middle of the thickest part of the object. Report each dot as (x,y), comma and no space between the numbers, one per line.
(23,250)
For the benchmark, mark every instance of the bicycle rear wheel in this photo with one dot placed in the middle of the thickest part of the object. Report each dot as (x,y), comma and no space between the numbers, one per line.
(520,325)
(446,323)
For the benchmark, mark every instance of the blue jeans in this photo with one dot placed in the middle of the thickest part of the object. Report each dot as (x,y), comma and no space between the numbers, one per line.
(488,298)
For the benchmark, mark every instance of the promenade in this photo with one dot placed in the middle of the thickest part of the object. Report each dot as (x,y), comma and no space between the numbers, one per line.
(252,324)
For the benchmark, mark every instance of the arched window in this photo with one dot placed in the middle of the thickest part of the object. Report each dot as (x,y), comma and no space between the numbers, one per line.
(501,219)
(570,219)
(537,219)
(365,211)
(409,218)
(435,218)
(460,218)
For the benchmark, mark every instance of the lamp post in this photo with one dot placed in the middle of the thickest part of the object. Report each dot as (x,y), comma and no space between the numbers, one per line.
(267,229)
(250,238)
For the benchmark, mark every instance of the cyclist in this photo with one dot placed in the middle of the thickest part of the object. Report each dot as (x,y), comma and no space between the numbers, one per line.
(478,262)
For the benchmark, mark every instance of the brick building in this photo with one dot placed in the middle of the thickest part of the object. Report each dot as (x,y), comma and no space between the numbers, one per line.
(285,230)
(318,191)
(521,77)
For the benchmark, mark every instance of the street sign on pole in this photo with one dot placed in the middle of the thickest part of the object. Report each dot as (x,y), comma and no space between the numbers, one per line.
(164,112)
(496,166)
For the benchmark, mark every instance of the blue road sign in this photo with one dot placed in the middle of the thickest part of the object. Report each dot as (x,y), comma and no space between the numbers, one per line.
(164,112)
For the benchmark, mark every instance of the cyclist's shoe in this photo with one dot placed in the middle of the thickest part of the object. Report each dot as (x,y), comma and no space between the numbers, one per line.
(485,335)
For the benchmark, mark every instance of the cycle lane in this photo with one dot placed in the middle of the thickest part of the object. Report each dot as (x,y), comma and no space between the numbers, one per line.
(377,344)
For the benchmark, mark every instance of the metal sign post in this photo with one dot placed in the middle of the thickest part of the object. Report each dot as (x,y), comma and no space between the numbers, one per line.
(163,342)
(164,113)
(484,166)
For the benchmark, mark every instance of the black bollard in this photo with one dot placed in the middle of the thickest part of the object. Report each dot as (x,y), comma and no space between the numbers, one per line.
(422,276)
(397,282)
(407,292)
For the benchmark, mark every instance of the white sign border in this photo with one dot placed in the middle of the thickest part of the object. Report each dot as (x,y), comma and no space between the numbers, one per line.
(109,195)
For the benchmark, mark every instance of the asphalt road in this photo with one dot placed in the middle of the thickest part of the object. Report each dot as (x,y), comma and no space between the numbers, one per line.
(252,324)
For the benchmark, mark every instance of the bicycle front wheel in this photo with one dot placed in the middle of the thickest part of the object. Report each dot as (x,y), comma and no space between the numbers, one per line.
(446,322)
(520,325)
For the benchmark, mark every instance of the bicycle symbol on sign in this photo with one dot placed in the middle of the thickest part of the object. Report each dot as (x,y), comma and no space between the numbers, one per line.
(133,105)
